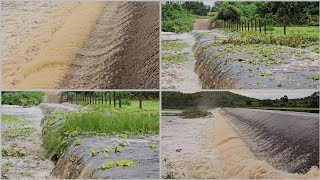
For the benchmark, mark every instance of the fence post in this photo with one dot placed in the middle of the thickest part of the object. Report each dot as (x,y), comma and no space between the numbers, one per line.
(255,24)
(114,99)
(245,25)
(241,26)
(248,25)
(284,27)
(265,26)
(259,25)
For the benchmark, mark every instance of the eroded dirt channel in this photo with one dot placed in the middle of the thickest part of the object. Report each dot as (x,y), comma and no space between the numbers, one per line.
(235,143)
(80,45)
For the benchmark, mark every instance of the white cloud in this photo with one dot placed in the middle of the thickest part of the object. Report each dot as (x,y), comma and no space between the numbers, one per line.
(274,94)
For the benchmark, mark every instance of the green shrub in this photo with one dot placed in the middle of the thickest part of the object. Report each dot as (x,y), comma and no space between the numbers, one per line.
(22,98)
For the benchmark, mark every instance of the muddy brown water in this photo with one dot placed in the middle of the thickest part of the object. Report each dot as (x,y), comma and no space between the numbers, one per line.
(202,24)
(81,45)
(223,151)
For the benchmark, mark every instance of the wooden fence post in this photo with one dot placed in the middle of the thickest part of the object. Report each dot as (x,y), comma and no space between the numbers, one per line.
(140,100)
(284,27)
(241,26)
(255,24)
(259,25)
(248,25)
(245,25)
(265,26)
(119,100)
(114,99)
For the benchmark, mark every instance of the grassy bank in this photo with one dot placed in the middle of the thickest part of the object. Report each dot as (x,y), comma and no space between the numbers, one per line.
(101,120)
(295,37)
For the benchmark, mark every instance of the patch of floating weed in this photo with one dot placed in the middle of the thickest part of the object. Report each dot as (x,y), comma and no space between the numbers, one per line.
(152,146)
(175,58)
(279,85)
(9,118)
(77,142)
(92,152)
(173,45)
(17,132)
(118,149)
(264,73)
(11,151)
(107,150)
(107,165)
(314,78)
(72,158)
(126,163)
(123,144)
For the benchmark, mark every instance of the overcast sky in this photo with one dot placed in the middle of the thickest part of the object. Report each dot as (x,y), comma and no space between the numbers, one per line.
(210,3)
(274,94)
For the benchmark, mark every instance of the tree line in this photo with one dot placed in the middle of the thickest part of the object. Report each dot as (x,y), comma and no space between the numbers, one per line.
(178,100)
(108,97)
(295,13)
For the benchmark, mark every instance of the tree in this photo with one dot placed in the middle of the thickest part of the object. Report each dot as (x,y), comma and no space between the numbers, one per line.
(284,98)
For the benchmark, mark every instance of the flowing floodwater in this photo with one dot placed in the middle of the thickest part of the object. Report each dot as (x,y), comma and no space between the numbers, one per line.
(33,165)
(229,155)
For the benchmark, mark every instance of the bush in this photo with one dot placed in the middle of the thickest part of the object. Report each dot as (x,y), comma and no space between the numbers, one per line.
(22,98)
(194,113)
(175,18)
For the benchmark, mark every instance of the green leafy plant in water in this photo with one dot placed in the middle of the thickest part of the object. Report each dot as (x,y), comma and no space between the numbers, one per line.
(141,136)
(175,58)
(152,146)
(118,149)
(314,78)
(126,163)
(11,151)
(124,136)
(77,142)
(92,152)
(173,45)
(107,150)
(72,158)
(123,144)
(18,132)
(279,85)
(9,118)
(107,165)
(264,73)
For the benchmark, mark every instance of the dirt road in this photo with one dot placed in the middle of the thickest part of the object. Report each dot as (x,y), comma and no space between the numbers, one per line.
(80,45)
(218,147)
(202,24)
(21,131)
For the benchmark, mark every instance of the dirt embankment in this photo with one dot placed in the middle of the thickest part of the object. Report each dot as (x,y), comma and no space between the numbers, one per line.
(202,24)
(121,51)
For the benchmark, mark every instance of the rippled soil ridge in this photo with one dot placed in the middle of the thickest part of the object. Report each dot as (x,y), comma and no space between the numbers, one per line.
(80,45)
(121,51)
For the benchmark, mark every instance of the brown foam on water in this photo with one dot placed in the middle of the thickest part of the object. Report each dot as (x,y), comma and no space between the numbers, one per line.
(237,161)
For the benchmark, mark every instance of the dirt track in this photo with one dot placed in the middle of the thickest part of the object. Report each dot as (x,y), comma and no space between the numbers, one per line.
(80,45)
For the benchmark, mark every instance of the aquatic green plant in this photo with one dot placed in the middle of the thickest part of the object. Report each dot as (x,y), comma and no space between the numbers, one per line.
(107,165)
(126,163)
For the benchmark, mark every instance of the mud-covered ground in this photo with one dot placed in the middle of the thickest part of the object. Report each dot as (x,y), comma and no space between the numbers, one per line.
(22,134)
(80,45)
(223,152)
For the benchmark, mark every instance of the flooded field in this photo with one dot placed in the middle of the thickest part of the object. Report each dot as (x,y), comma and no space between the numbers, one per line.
(226,152)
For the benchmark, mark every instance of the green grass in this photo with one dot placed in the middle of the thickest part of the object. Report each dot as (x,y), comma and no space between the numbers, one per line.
(194,113)
(297,109)
(102,120)
(175,58)
(173,45)
(295,37)
(9,118)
